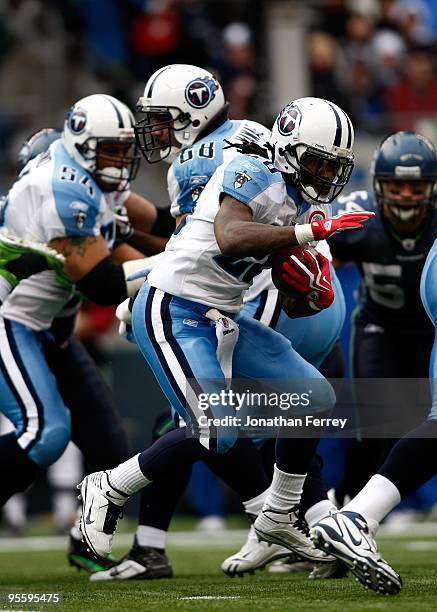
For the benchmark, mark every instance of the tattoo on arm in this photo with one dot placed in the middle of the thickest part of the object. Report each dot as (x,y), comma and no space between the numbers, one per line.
(78,245)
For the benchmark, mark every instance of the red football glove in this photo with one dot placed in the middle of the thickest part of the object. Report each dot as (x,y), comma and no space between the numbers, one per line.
(312,279)
(323,228)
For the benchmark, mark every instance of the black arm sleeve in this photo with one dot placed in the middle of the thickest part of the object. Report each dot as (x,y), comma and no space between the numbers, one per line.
(27,265)
(105,284)
(164,224)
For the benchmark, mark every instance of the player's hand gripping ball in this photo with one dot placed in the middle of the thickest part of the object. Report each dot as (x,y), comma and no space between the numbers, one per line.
(302,273)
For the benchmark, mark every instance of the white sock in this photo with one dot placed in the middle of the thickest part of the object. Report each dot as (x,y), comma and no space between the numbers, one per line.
(285,490)
(128,477)
(254,506)
(314,514)
(64,507)
(150,536)
(375,500)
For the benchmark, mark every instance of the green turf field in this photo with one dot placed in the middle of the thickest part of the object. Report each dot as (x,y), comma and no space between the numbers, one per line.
(200,586)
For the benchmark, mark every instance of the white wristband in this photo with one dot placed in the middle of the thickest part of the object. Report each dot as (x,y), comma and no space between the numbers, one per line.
(304,233)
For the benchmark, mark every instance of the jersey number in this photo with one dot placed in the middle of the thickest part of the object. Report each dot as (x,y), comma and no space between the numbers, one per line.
(205,151)
(381,281)
(240,269)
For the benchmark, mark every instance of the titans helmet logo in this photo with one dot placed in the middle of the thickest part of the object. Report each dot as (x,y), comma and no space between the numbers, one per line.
(241,177)
(77,120)
(288,120)
(200,92)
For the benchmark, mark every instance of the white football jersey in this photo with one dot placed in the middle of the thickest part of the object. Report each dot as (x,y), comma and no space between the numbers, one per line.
(193,266)
(54,197)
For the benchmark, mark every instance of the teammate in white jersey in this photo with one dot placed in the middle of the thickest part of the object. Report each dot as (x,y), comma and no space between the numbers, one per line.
(59,199)
(245,212)
(95,422)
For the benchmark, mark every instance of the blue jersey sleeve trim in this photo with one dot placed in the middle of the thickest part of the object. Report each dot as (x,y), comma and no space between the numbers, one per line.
(77,199)
(246,177)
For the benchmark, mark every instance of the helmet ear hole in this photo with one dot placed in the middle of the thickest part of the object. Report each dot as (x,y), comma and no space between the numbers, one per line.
(196,123)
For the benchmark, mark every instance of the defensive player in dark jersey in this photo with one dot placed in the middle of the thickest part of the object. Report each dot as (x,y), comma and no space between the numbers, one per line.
(392,335)
(348,534)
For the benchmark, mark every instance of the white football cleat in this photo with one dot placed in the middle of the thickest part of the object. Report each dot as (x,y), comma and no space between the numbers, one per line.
(253,555)
(289,530)
(101,509)
(346,536)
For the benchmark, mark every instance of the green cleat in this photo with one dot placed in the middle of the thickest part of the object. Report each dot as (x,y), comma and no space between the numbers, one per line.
(79,556)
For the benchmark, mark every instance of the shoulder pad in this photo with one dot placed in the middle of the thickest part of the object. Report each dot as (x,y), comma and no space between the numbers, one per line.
(246,176)
(77,199)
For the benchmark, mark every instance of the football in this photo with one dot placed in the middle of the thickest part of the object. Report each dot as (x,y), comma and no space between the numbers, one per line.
(282,256)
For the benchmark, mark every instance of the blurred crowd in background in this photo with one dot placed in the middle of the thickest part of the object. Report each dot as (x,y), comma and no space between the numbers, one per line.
(375,58)
(53,52)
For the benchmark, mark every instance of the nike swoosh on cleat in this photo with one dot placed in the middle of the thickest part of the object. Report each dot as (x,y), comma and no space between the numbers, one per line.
(88,520)
(353,540)
(117,572)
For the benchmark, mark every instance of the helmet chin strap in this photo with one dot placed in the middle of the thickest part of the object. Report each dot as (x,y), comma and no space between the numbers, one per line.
(309,194)
(405,213)
(113,175)
(174,152)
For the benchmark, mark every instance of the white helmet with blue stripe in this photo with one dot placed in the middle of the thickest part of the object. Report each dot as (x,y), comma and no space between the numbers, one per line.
(312,145)
(100,120)
(179,101)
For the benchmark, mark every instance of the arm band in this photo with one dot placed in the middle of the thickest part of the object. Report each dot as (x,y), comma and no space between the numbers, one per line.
(303,233)
(105,284)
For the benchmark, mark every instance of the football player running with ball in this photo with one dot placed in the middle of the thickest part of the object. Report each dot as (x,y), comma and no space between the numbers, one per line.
(195,135)
(247,211)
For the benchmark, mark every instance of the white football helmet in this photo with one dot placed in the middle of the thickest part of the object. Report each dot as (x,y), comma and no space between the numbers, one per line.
(312,145)
(96,120)
(179,101)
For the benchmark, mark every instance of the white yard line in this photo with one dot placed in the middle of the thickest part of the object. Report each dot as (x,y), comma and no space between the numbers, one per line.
(176,539)
(210,597)
(218,539)
(420,545)
(409,529)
